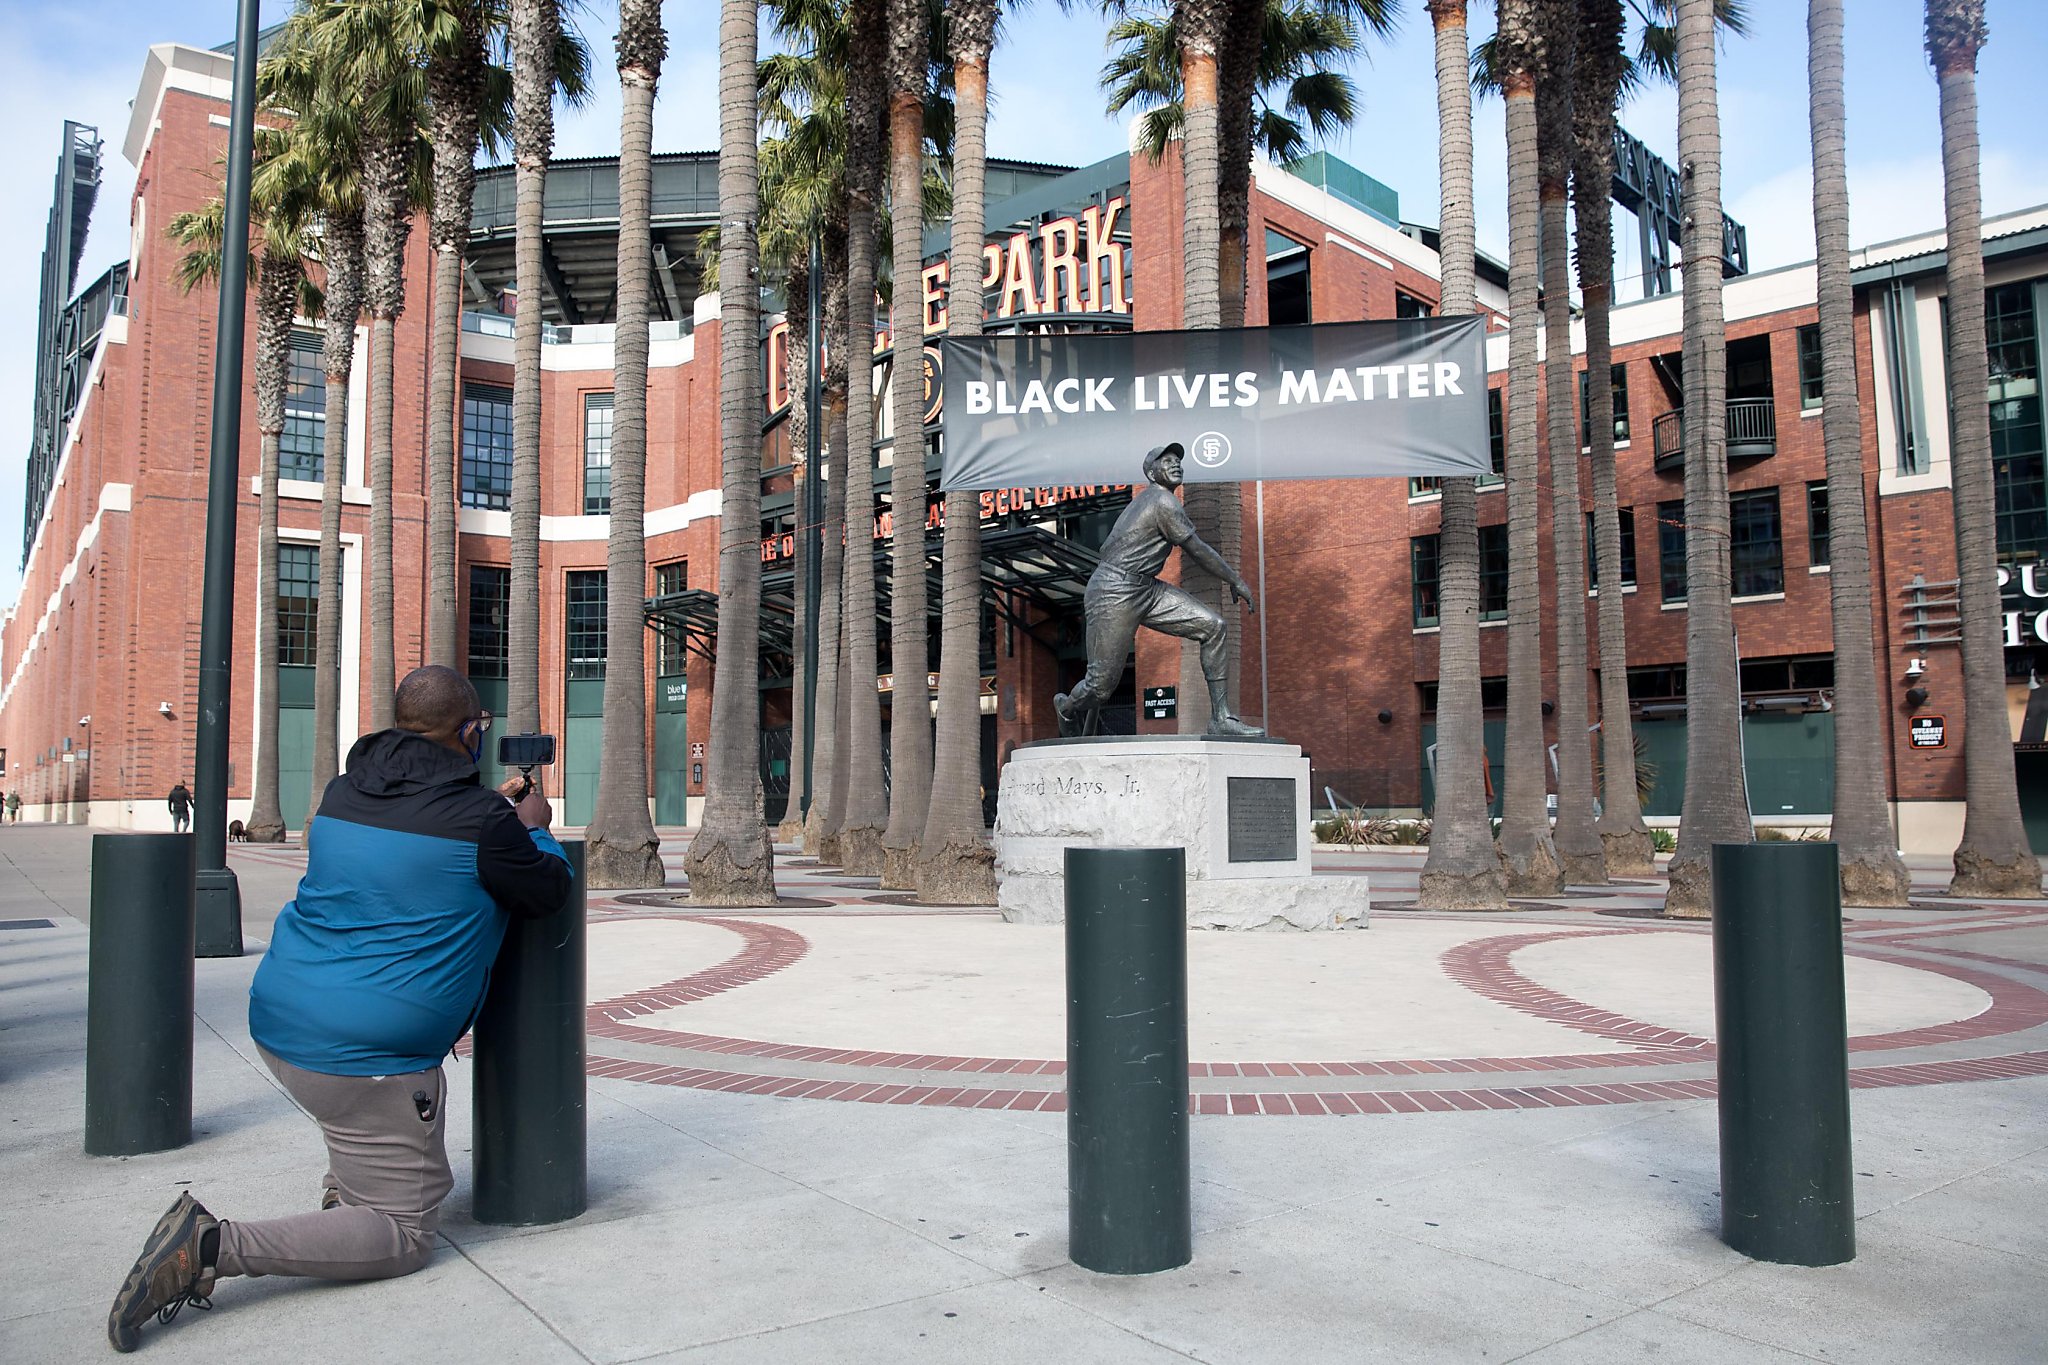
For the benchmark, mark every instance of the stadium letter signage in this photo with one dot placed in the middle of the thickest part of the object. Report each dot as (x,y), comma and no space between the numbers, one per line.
(1331,401)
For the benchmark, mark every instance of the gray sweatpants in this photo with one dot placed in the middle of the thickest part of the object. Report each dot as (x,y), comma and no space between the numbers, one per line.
(388,1166)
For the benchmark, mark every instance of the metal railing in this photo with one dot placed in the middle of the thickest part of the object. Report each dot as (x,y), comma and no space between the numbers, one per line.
(1752,431)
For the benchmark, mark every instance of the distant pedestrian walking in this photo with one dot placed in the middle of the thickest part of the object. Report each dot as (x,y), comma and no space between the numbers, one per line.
(181,809)
(14,807)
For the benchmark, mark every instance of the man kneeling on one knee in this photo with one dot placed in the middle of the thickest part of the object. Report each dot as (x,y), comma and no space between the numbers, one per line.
(374,970)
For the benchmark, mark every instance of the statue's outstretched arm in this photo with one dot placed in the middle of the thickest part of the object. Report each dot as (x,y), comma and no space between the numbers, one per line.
(1197,549)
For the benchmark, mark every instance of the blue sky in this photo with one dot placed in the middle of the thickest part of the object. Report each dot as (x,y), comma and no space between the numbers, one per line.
(82,61)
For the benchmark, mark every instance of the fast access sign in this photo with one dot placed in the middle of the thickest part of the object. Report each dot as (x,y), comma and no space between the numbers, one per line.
(1929,732)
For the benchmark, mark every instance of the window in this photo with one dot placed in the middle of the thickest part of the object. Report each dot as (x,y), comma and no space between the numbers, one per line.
(490,597)
(1497,431)
(2019,470)
(1671,549)
(669,653)
(1756,551)
(486,446)
(1809,367)
(1817,522)
(1287,283)
(597,454)
(1424,561)
(1493,573)
(298,604)
(1618,385)
(586,621)
(1627,517)
(304,440)
(1406,305)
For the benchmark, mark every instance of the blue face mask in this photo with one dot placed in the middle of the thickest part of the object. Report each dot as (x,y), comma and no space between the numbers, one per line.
(473,744)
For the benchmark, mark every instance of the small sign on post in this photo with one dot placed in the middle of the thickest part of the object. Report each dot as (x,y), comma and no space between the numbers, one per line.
(1929,732)
(1161,703)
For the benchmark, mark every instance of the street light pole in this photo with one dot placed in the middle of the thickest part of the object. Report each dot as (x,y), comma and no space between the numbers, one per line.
(218,894)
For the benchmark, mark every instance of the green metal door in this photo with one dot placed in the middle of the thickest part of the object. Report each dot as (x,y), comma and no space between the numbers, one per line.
(671,751)
(1790,762)
(582,746)
(1495,733)
(294,744)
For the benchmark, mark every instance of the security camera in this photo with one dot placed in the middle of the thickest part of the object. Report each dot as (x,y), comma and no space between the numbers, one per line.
(1915,667)
(85,720)
(163,708)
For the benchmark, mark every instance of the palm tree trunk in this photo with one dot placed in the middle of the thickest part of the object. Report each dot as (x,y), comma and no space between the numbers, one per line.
(277,297)
(536,27)
(1993,858)
(1526,847)
(859,850)
(1716,792)
(828,775)
(910,724)
(343,250)
(623,849)
(455,83)
(796,317)
(1872,871)
(1463,869)
(731,861)
(957,864)
(1580,857)
(387,222)
(1599,66)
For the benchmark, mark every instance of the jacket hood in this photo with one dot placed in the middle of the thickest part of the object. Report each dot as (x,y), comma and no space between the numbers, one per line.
(399,762)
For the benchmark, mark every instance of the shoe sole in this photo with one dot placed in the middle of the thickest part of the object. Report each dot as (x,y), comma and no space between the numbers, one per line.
(170,1232)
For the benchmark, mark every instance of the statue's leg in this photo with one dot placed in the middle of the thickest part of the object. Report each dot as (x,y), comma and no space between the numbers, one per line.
(1112,625)
(1176,612)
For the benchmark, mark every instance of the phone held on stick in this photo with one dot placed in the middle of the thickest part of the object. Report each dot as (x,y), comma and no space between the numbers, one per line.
(525,752)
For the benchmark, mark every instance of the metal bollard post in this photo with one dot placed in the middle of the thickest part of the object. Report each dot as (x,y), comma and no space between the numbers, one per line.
(138,1010)
(529,1143)
(1783,1054)
(1128,1193)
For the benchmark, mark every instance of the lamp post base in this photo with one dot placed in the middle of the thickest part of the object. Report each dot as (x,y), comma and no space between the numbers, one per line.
(219,897)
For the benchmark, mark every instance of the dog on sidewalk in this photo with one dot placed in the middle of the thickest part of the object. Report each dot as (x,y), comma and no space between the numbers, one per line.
(238,833)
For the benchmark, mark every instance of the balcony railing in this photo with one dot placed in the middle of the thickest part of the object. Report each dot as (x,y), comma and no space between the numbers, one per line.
(1752,433)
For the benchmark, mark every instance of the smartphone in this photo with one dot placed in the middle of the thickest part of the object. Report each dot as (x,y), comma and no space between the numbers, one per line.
(525,751)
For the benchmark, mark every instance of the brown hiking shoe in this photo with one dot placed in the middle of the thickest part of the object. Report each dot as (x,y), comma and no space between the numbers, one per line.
(169,1274)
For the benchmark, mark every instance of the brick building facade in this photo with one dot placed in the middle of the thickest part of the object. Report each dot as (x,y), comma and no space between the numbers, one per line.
(98,666)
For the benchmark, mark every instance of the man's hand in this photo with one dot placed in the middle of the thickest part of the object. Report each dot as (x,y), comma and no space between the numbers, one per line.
(1242,591)
(533,809)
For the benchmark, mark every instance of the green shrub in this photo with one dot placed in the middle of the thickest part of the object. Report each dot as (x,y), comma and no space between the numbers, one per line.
(1664,840)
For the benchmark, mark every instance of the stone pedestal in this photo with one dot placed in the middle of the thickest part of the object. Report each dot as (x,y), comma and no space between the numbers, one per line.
(1238,806)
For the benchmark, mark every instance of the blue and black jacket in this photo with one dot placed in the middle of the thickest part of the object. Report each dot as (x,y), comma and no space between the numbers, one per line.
(380,962)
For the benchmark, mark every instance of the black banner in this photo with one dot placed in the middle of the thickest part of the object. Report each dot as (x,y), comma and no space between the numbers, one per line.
(1337,400)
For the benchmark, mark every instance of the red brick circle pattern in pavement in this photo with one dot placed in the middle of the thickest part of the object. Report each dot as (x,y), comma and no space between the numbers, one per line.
(1482,966)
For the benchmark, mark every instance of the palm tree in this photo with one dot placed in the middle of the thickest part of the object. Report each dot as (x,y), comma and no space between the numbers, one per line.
(910,731)
(536,27)
(623,848)
(1872,871)
(281,280)
(828,775)
(1716,794)
(1993,858)
(957,864)
(796,318)
(1463,869)
(1599,70)
(1577,842)
(320,159)
(1526,847)
(457,71)
(731,861)
(856,842)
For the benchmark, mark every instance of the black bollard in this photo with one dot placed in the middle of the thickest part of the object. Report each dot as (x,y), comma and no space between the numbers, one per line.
(1783,1054)
(529,1144)
(138,1000)
(1128,1196)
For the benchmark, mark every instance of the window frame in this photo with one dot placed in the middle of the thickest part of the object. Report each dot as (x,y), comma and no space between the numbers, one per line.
(1819,525)
(585,598)
(486,447)
(597,454)
(1745,541)
(1671,551)
(488,584)
(298,617)
(1806,345)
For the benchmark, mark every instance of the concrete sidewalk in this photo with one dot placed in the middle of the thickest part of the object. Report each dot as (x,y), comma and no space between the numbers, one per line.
(731,1226)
